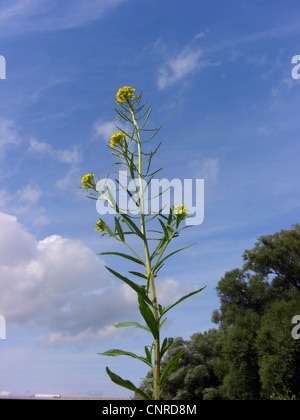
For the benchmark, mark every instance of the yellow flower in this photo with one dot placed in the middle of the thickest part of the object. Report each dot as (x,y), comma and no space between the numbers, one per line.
(88,181)
(100,225)
(116,139)
(124,93)
(180,209)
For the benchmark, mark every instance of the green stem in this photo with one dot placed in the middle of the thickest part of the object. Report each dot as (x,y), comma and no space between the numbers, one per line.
(149,272)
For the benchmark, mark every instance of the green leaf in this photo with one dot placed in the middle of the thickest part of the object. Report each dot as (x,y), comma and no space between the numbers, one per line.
(165,345)
(128,257)
(148,355)
(132,167)
(148,317)
(130,324)
(165,310)
(136,287)
(171,366)
(136,273)
(116,353)
(170,255)
(119,229)
(125,384)
(166,233)
(131,224)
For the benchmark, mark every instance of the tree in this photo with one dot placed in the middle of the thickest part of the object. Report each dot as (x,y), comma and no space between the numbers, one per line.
(252,355)
(278,352)
(257,305)
(197,376)
(277,254)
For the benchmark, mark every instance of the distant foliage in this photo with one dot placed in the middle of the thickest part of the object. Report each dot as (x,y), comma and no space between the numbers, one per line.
(252,355)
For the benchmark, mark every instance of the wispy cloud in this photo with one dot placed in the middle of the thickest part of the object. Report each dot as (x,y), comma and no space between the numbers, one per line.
(9,136)
(25,202)
(184,63)
(105,129)
(23,16)
(40,149)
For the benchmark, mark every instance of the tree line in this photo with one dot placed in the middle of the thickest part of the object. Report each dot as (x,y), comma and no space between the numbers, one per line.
(251,353)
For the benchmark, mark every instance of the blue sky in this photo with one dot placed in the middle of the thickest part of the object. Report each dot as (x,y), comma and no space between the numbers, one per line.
(218,75)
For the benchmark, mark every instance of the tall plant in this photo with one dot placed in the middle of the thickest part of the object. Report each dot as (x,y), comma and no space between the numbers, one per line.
(127,147)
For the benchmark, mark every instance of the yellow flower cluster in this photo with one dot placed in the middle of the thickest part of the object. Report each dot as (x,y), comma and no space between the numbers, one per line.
(124,93)
(88,181)
(100,225)
(116,139)
(180,209)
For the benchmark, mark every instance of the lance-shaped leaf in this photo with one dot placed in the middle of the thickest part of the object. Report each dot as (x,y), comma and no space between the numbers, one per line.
(148,317)
(120,254)
(148,355)
(165,310)
(119,229)
(171,366)
(131,324)
(125,384)
(116,353)
(166,345)
(133,226)
(140,290)
(141,275)
(159,263)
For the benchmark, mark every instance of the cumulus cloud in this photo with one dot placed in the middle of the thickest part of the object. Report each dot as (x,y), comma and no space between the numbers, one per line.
(57,284)
(60,287)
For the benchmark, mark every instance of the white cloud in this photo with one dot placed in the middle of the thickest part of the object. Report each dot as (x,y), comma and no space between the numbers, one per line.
(21,16)
(5,393)
(25,202)
(40,149)
(70,181)
(170,290)
(58,285)
(176,68)
(206,168)
(106,129)
(9,136)
(187,61)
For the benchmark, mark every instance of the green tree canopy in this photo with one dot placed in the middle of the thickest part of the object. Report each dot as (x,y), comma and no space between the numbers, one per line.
(252,354)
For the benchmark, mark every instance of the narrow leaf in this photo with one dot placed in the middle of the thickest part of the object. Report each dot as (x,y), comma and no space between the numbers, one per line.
(148,355)
(165,345)
(148,317)
(136,273)
(170,255)
(171,366)
(166,233)
(119,229)
(131,224)
(116,353)
(136,287)
(130,324)
(125,383)
(128,257)
(165,310)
